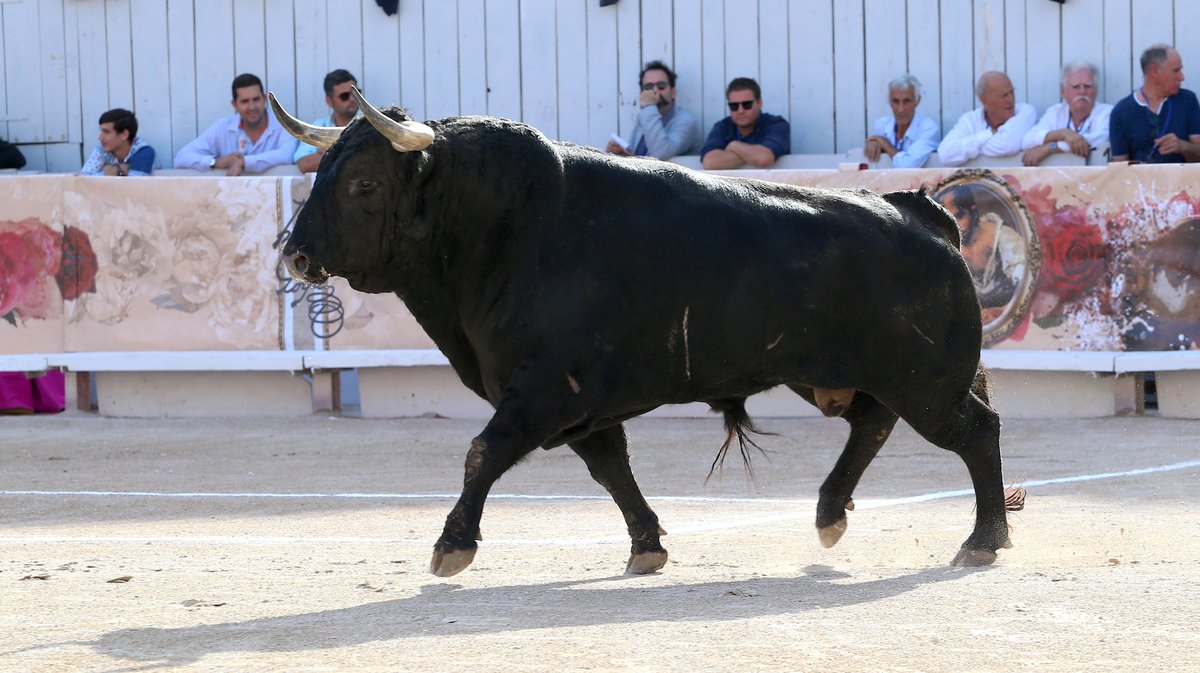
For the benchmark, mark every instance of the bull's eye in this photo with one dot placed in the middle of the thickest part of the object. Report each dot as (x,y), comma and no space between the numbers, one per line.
(365,186)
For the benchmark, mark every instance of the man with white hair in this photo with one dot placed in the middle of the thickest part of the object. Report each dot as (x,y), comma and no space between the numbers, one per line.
(905,136)
(993,130)
(1075,125)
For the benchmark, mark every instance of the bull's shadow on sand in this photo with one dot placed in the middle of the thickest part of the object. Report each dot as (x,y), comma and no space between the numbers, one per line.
(452,610)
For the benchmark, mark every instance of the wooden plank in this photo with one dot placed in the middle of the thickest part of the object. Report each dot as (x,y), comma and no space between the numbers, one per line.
(381,58)
(1152,24)
(602,96)
(1018,53)
(472,58)
(849,76)
(988,25)
(810,25)
(629,63)
(1121,72)
(688,60)
(181,38)
(1045,60)
(280,74)
(539,70)
(66,157)
(344,39)
(886,54)
(715,78)
(1082,24)
(1187,18)
(151,103)
(215,65)
(958,66)
(504,58)
(72,61)
(3,83)
(741,35)
(119,42)
(312,58)
(249,47)
(93,69)
(412,59)
(22,63)
(55,119)
(924,29)
(441,60)
(773,48)
(571,37)
(658,39)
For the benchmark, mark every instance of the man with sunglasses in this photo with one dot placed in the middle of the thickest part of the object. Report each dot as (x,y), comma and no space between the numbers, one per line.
(995,129)
(661,128)
(248,141)
(342,110)
(1158,123)
(748,135)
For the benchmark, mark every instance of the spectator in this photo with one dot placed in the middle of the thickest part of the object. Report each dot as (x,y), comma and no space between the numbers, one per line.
(120,151)
(1150,125)
(249,141)
(661,128)
(994,130)
(905,136)
(342,110)
(1077,124)
(10,156)
(748,135)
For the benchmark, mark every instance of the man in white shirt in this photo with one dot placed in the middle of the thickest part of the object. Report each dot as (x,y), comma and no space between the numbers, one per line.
(248,141)
(905,136)
(994,130)
(1075,125)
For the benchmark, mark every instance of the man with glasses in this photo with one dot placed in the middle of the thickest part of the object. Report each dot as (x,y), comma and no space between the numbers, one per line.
(342,110)
(661,128)
(1158,123)
(1075,125)
(748,135)
(995,129)
(248,141)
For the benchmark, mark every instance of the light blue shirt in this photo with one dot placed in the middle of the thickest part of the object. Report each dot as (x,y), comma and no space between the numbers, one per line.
(305,149)
(274,147)
(919,141)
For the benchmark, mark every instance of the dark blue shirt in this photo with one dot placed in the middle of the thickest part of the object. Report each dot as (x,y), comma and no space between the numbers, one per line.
(1133,127)
(772,132)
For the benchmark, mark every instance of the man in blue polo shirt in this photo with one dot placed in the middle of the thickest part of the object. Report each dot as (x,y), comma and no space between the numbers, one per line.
(748,135)
(1158,123)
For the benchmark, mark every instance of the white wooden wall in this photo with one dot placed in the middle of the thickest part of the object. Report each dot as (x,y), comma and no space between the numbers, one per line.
(569,67)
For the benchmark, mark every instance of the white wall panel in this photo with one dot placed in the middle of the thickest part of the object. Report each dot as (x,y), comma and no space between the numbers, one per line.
(715,77)
(150,103)
(249,47)
(849,75)
(1015,63)
(216,67)
(344,34)
(810,24)
(603,106)
(22,50)
(539,67)
(472,58)
(55,117)
(280,74)
(182,66)
(688,59)
(957,62)
(1042,78)
(886,56)
(441,60)
(571,46)
(312,58)
(412,59)
(380,76)
(629,62)
(924,30)
(773,57)
(504,58)
(988,17)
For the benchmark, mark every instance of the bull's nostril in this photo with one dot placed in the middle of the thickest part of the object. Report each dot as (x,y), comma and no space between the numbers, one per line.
(300,262)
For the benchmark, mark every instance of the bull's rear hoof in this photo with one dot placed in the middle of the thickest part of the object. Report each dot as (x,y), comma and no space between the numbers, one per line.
(973,558)
(646,562)
(447,564)
(832,533)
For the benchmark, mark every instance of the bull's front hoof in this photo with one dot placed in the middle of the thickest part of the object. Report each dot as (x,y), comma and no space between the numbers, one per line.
(646,562)
(832,533)
(973,558)
(452,562)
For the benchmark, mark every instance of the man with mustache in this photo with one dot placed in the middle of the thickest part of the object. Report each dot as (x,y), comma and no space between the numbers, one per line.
(662,129)
(1158,123)
(993,130)
(1075,125)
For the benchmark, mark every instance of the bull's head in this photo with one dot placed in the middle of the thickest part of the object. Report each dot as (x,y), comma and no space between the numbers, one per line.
(353,223)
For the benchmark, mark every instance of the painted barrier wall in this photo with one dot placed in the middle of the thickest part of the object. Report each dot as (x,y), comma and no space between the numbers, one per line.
(1081,258)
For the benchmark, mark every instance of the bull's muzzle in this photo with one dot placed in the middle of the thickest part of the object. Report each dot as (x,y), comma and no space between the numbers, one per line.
(302,267)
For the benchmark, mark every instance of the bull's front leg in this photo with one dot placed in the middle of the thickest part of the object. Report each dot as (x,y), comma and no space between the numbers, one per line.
(870,425)
(495,450)
(606,453)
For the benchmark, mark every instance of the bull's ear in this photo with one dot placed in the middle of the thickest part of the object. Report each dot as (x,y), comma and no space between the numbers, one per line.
(318,136)
(404,136)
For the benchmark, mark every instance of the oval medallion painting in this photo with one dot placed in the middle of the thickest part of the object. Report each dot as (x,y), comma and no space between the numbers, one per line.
(1000,245)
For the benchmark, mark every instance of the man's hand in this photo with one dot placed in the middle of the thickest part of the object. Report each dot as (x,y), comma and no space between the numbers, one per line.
(877,146)
(613,147)
(237,165)
(1079,144)
(648,98)
(110,169)
(1034,155)
(1170,144)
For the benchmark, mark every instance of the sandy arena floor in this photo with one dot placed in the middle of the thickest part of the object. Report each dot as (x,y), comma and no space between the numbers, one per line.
(303,545)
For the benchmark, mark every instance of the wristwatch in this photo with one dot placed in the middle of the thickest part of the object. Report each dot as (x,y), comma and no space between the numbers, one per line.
(1052,146)
(212,162)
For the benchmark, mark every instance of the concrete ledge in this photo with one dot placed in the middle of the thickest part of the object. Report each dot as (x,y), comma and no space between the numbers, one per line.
(1020,393)
(1178,393)
(353,359)
(179,361)
(1059,361)
(157,394)
(392,392)
(1158,361)
(23,363)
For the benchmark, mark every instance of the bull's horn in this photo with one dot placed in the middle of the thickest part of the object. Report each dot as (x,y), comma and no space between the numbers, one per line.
(404,136)
(320,136)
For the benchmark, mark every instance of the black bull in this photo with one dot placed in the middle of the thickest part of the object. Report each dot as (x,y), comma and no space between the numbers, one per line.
(574,290)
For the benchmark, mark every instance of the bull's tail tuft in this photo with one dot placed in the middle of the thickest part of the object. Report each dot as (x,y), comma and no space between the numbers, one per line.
(738,425)
(919,206)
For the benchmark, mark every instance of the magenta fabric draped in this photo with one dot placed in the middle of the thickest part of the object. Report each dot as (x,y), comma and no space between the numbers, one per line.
(44,394)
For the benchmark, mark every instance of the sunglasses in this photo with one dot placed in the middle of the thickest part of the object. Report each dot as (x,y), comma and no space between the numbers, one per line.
(655,85)
(345,95)
(746,104)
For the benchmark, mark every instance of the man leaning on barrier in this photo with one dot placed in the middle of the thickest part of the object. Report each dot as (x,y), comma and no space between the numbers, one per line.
(995,129)
(1075,125)
(906,136)
(1158,123)
(248,141)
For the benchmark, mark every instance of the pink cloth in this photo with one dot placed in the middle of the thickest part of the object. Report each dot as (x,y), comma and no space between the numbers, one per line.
(44,394)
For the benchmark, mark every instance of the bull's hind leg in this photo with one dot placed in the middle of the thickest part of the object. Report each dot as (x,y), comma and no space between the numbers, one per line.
(606,454)
(971,429)
(870,425)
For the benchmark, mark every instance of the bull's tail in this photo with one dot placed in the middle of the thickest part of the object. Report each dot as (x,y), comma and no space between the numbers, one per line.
(919,207)
(738,426)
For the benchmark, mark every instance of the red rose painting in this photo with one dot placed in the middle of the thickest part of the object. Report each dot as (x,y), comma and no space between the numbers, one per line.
(78,273)
(1074,252)
(31,253)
